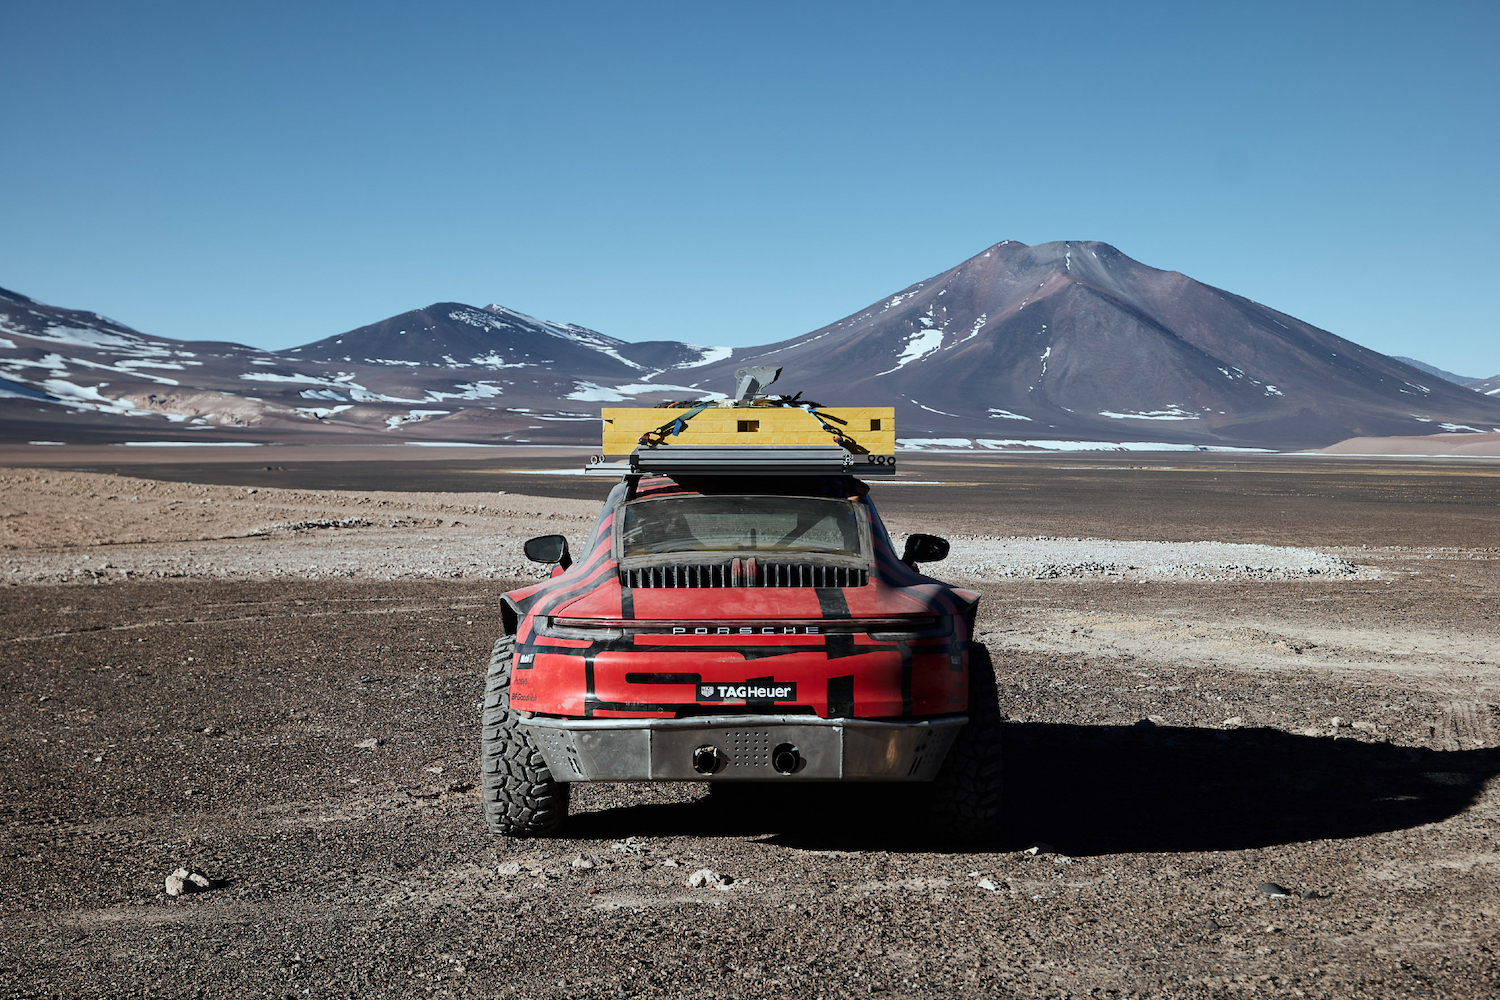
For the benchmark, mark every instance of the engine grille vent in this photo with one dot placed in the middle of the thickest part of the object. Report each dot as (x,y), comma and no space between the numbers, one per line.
(745,573)
(809,575)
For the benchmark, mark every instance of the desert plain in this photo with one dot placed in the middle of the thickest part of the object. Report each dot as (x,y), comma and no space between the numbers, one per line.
(1225,675)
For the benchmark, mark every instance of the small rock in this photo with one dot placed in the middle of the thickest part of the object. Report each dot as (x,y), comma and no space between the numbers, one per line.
(213,731)
(670,863)
(433,770)
(1039,848)
(627,846)
(1314,894)
(1335,722)
(1062,859)
(369,744)
(989,884)
(1238,720)
(708,877)
(1364,727)
(185,880)
(1272,889)
(583,862)
(508,868)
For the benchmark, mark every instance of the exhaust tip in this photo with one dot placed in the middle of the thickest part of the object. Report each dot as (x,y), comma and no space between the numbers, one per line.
(786,759)
(709,760)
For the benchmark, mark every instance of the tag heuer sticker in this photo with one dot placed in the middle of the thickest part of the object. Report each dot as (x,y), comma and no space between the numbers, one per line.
(763,689)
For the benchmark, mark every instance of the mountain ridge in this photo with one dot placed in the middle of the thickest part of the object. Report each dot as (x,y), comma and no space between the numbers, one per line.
(1063,341)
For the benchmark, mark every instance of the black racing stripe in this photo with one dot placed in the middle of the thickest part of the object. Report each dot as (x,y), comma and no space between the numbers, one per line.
(552,598)
(627,602)
(833,604)
(588,686)
(906,708)
(662,678)
(841,697)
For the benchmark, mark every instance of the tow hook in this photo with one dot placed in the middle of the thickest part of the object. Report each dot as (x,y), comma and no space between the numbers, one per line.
(708,760)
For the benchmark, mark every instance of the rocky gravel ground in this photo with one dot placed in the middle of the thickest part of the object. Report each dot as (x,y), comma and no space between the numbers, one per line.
(1274,786)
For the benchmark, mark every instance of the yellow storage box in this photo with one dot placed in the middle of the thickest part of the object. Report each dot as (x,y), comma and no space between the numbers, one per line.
(872,427)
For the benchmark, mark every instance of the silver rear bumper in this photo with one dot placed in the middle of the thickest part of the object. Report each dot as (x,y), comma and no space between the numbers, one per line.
(663,749)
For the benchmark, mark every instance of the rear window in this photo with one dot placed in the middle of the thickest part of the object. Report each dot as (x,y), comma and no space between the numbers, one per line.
(740,524)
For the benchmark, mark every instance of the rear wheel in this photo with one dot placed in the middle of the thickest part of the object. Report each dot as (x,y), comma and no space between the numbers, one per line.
(966,795)
(520,797)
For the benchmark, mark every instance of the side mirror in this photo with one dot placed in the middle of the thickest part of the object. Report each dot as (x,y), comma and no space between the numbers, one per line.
(552,549)
(924,548)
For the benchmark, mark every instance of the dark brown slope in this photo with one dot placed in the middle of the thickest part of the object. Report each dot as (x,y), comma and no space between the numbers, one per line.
(1075,339)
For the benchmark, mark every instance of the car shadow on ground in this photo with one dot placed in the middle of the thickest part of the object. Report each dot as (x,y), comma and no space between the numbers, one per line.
(1090,790)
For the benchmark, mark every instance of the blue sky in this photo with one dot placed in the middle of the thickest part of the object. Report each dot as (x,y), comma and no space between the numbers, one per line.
(738,174)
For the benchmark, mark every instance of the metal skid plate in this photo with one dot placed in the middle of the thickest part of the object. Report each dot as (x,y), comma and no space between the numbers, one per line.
(662,749)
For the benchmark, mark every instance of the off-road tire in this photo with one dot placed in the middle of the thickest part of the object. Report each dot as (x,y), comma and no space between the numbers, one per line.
(520,797)
(966,799)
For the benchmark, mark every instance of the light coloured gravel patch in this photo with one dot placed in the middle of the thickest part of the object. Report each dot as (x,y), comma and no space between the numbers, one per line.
(1047,558)
(75,527)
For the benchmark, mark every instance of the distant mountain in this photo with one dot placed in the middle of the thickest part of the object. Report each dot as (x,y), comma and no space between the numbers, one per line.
(1015,347)
(1434,370)
(447,372)
(453,335)
(1489,386)
(1076,340)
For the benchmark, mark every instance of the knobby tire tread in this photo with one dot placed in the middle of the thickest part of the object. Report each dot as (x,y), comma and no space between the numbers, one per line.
(967,795)
(520,797)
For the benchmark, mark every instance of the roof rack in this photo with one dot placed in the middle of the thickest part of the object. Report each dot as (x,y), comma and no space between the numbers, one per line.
(745,460)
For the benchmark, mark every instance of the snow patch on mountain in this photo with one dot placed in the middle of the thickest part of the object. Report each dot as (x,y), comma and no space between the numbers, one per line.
(591,392)
(494,360)
(919,344)
(1172,412)
(710,356)
(467,390)
(273,377)
(978,325)
(413,417)
(324,411)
